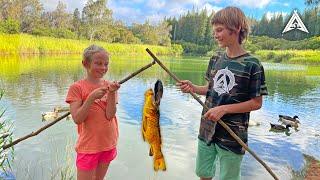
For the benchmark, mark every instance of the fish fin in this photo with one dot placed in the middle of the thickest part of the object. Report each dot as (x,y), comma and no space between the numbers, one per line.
(150,152)
(142,133)
(159,164)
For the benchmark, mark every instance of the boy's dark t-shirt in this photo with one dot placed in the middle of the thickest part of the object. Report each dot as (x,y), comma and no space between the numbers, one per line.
(231,80)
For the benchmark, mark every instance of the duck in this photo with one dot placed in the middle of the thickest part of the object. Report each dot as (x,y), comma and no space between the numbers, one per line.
(49,116)
(288,118)
(254,123)
(279,127)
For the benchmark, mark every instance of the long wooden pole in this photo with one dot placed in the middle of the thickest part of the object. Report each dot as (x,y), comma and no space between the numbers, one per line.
(68,113)
(220,121)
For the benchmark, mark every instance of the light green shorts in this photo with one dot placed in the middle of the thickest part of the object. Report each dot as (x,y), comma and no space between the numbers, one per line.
(207,158)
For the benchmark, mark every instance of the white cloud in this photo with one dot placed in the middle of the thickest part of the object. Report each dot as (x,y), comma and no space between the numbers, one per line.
(155,18)
(50,5)
(211,8)
(286,4)
(126,14)
(270,15)
(156,4)
(252,3)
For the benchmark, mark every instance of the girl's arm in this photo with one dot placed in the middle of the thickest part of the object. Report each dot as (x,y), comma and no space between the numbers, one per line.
(79,110)
(216,113)
(111,105)
(111,108)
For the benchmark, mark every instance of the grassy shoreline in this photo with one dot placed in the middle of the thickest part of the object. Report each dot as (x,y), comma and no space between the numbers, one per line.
(24,44)
(306,57)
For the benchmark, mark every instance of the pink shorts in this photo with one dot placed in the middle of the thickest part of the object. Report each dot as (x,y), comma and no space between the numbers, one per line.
(90,161)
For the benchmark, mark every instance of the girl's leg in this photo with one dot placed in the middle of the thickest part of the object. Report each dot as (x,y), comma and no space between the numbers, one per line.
(85,174)
(101,170)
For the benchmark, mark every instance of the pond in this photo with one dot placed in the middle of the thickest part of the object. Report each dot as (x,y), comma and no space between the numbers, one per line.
(34,85)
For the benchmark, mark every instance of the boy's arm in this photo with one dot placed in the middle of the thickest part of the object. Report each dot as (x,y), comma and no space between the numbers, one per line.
(201,90)
(216,113)
(186,86)
(247,106)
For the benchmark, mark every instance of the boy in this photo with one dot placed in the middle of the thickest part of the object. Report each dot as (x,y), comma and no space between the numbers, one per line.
(235,87)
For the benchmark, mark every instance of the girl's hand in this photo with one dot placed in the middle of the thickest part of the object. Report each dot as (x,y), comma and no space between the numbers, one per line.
(186,86)
(114,86)
(98,93)
(215,114)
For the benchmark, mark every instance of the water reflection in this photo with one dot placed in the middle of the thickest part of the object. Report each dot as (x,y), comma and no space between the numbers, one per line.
(37,84)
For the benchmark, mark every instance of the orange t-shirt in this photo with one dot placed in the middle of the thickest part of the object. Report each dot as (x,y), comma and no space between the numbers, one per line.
(96,133)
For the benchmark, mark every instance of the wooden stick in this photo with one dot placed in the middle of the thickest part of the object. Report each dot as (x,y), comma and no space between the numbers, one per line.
(35,133)
(68,113)
(137,72)
(220,121)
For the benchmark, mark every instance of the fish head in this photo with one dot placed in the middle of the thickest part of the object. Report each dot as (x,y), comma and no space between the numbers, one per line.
(148,93)
(148,96)
(158,92)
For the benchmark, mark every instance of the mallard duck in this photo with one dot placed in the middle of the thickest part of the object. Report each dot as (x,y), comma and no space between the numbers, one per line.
(254,123)
(49,116)
(288,118)
(279,127)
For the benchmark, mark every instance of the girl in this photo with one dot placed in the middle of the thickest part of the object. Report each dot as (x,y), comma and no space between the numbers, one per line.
(93,108)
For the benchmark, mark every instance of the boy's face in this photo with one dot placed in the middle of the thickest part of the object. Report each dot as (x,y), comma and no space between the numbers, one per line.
(98,66)
(224,36)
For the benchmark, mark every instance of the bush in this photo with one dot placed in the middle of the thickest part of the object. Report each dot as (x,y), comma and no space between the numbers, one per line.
(10,26)
(191,48)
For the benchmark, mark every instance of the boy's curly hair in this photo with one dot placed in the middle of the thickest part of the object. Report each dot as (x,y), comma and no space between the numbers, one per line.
(232,18)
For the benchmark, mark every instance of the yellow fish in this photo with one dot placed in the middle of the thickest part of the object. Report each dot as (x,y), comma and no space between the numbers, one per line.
(151,127)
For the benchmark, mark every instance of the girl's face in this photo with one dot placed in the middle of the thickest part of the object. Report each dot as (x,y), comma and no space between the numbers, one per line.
(98,66)
(224,36)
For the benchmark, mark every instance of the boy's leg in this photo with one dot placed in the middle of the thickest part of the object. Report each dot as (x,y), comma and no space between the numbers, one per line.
(230,164)
(205,161)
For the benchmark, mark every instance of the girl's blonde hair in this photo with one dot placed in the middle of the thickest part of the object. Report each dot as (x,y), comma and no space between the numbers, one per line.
(91,50)
(233,18)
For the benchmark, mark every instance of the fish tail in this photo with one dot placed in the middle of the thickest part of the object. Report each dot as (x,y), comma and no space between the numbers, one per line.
(159,163)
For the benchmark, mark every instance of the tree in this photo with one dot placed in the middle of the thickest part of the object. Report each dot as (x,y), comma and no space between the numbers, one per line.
(76,22)
(60,17)
(312,2)
(96,16)
(26,12)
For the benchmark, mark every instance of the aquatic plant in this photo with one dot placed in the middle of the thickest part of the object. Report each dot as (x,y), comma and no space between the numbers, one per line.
(6,156)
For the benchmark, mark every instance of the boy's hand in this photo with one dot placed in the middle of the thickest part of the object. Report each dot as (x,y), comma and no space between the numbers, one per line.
(114,86)
(186,86)
(98,93)
(215,113)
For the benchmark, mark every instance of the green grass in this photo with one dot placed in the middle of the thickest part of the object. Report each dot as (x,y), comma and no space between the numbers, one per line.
(311,57)
(28,44)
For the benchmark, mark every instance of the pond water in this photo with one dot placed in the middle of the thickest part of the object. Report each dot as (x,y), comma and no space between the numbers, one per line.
(34,85)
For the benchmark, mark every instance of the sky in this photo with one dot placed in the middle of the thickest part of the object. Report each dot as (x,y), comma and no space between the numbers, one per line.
(138,11)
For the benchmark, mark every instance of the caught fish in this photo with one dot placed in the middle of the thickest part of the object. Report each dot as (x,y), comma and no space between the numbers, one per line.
(151,126)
